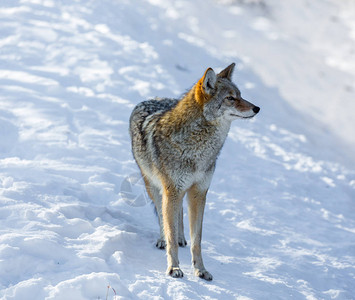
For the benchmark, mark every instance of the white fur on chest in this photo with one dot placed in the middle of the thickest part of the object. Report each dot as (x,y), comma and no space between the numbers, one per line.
(207,150)
(201,152)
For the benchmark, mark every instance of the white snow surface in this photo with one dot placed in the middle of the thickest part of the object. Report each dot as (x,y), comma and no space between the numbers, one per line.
(280,215)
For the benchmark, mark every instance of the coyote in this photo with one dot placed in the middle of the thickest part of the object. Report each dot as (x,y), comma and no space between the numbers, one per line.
(176,144)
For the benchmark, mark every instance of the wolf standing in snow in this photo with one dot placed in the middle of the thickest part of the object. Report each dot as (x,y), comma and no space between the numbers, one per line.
(176,144)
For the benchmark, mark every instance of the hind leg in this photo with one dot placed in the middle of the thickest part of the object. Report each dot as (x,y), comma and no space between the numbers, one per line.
(154,194)
(161,243)
(156,197)
(181,236)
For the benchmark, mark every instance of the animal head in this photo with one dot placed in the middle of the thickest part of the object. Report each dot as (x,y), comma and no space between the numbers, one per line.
(220,98)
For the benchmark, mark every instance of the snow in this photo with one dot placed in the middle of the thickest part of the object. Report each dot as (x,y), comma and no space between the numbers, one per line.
(75,221)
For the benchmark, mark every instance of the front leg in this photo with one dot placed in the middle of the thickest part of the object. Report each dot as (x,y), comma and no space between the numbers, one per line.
(197,200)
(171,207)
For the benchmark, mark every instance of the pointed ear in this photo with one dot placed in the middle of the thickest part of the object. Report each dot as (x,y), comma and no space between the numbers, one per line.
(209,81)
(227,72)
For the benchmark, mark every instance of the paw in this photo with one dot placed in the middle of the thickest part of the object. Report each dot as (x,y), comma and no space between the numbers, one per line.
(204,274)
(182,242)
(175,272)
(160,244)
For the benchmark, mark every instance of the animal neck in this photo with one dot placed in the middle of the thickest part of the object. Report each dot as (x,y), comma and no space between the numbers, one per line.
(189,112)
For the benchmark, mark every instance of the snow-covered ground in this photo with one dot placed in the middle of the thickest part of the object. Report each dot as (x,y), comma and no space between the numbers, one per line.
(280,215)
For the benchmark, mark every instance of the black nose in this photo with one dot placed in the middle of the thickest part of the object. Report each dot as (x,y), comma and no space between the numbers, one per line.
(256,109)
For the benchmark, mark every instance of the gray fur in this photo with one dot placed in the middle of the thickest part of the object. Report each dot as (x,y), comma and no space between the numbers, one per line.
(176,144)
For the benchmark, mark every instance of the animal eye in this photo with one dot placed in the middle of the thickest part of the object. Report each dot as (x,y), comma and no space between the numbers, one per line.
(231,98)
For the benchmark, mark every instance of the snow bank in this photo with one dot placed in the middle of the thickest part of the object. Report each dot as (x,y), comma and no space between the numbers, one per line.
(280,216)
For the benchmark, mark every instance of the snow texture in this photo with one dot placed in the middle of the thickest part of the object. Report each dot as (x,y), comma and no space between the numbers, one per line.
(75,221)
